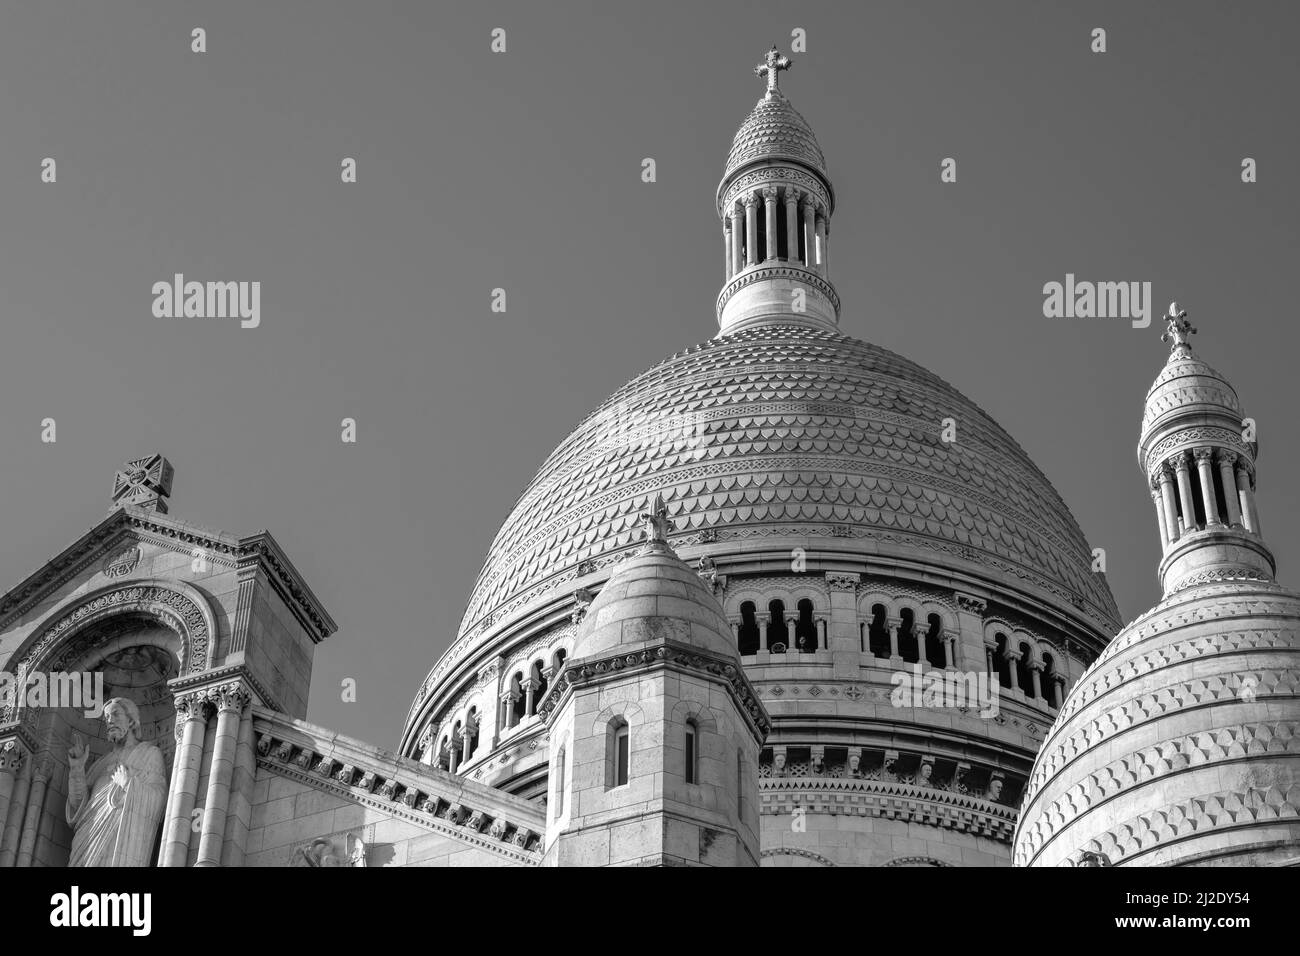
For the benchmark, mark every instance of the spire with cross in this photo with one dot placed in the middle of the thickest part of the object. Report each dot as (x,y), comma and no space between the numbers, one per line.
(772,65)
(1177,328)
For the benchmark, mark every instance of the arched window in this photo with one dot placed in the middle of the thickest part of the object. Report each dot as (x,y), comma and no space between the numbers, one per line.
(748,630)
(908,647)
(777,632)
(540,685)
(805,631)
(1049,681)
(520,702)
(934,650)
(618,753)
(1001,661)
(1023,678)
(878,634)
(471,724)
(691,743)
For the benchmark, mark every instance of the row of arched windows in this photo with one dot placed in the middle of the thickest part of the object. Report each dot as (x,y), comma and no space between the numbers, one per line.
(773,632)
(1017,670)
(915,641)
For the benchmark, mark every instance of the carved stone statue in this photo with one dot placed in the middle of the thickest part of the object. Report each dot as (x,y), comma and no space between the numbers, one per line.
(114,808)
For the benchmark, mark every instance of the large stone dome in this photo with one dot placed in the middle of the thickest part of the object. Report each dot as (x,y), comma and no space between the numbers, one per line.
(788,431)
(1181,744)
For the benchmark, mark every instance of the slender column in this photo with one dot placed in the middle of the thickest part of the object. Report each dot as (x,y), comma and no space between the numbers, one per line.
(12,755)
(737,239)
(510,698)
(769,210)
(241,795)
(1171,506)
(1036,678)
(1160,515)
(751,229)
(826,245)
(32,818)
(231,699)
(791,639)
(1248,512)
(1227,461)
(1182,467)
(13,826)
(1204,458)
(735,632)
(466,743)
(989,651)
(192,714)
(819,230)
(894,624)
(791,224)
(809,232)
(825,645)
(530,699)
(726,248)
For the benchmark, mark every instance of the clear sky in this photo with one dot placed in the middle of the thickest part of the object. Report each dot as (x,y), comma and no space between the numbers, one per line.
(521,170)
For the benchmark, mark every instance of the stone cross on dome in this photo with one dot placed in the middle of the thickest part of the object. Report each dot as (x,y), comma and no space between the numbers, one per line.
(772,65)
(657,524)
(1177,327)
(144,483)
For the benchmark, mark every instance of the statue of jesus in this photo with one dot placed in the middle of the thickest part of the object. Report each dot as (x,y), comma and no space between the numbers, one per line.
(115,808)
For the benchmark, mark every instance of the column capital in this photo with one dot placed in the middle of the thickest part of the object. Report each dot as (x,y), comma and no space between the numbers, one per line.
(971,603)
(769,193)
(750,199)
(12,755)
(231,698)
(510,696)
(1182,461)
(1227,457)
(791,195)
(1164,472)
(193,705)
(1203,454)
(528,684)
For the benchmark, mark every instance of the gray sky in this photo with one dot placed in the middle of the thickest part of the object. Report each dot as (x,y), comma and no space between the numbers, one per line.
(522,170)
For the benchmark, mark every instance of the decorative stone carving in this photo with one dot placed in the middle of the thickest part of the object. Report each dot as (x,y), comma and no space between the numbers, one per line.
(122,562)
(582,599)
(843,582)
(144,483)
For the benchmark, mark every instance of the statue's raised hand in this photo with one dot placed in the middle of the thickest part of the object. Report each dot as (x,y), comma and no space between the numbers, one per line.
(78,752)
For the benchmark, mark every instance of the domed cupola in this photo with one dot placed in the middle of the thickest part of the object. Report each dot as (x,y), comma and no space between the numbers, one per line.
(1180,745)
(775,202)
(1201,470)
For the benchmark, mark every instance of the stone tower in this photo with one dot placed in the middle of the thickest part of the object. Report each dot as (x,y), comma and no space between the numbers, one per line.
(1181,744)
(655,731)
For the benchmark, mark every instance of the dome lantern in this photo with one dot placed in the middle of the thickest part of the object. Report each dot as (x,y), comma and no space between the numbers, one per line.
(1201,469)
(775,202)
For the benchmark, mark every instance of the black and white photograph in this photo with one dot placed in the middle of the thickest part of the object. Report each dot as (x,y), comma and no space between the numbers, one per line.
(723,434)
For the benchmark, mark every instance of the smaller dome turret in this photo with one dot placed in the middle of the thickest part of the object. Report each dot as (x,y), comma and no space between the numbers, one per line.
(655,595)
(1198,455)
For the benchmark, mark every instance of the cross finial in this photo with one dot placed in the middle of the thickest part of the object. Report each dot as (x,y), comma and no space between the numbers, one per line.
(145,483)
(1177,327)
(773,63)
(657,523)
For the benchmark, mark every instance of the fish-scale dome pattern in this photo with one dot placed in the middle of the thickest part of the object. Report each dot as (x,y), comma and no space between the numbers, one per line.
(774,129)
(1185,382)
(775,431)
(1181,743)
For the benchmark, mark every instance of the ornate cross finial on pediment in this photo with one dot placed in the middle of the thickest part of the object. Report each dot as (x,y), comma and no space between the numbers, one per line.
(144,483)
(773,63)
(656,523)
(1177,327)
